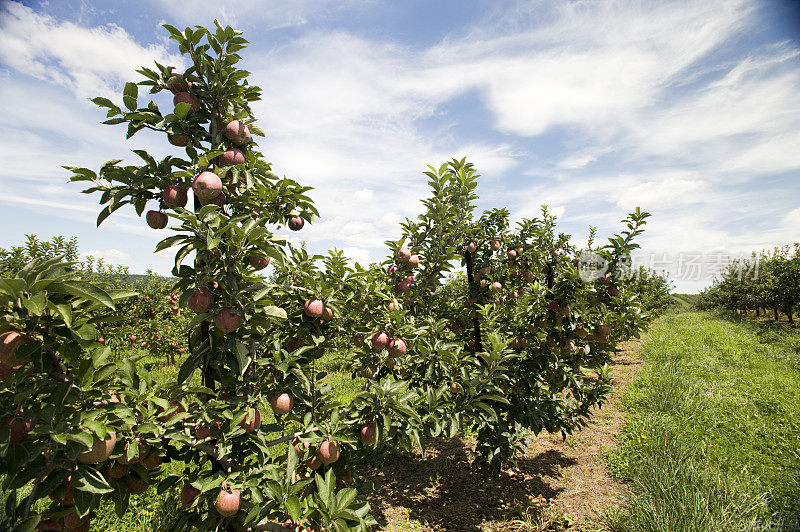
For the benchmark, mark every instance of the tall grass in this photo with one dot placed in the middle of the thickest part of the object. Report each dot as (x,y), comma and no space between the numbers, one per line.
(714,432)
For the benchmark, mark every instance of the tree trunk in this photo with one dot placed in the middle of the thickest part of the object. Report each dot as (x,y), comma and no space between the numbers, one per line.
(777,317)
(473,289)
(789,314)
(758,312)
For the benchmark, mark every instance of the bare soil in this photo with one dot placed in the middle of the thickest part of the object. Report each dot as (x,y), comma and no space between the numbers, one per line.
(559,485)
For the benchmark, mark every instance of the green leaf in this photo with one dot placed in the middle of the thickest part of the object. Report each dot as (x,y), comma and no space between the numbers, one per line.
(12,287)
(85,290)
(86,332)
(130,95)
(35,304)
(182,109)
(293,507)
(104,102)
(65,311)
(85,500)
(275,312)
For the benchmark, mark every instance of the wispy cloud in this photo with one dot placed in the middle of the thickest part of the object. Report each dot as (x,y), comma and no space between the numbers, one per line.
(88,61)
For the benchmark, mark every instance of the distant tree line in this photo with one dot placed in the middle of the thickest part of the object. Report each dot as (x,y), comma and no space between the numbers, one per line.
(765,283)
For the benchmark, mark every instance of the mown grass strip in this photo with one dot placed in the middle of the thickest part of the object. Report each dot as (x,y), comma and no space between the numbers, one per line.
(713,441)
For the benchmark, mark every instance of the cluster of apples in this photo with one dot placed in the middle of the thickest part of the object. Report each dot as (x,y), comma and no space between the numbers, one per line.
(406,261)
(207,185)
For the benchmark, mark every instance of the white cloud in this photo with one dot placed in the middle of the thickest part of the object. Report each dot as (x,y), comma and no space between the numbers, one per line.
(359,255)
(576,161)
(89,61)
(670,191)
(112,255)
(276,13)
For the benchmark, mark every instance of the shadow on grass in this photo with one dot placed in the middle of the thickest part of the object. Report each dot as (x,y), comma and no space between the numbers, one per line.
(442,491)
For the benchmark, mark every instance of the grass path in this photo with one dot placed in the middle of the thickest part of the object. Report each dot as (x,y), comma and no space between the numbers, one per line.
(713,441)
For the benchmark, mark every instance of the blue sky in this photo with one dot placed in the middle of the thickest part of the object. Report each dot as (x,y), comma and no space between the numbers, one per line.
(689,109)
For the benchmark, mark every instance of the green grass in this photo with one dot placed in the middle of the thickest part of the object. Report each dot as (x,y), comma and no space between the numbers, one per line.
(713,441)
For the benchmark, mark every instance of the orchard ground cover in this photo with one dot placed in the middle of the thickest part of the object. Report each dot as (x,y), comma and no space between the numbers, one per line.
(713,441)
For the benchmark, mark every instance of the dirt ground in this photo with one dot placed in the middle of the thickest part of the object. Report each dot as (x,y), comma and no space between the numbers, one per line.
(560,485)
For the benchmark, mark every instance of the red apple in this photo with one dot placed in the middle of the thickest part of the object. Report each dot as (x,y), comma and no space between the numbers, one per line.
(200,300)
(380,340)
(252,420)
(228,502)
(413,261)
(6,371)
(48,524)
(369,433)
(293,344)
(392,269)
(483,272)
(495,245)
(177,83)
(527,275)
(231,156)
(300,448)
(117,470)
(226,321)
(180,140)
(314,463)
(9,343)
(258,263)
(174,196)
(136,485)
(188,494)
(496,286)
(296,223)
(512,254)
(553,306)
(403,254)
(207,186)
(237,132)
(141,452)
(202,431)
(281,404)
(101,450)
(328,452)
(314,308)
(187,97)
(345,480)
(73,521)
(472,247)
(403,287)
(18,430)
(397,347)
(172,410)
(156,219)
